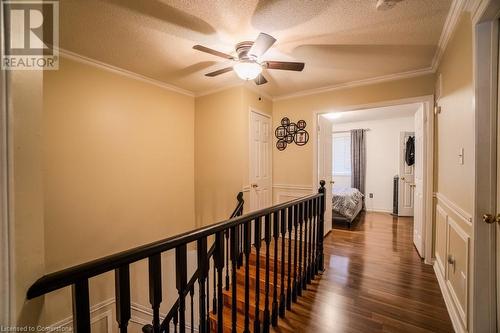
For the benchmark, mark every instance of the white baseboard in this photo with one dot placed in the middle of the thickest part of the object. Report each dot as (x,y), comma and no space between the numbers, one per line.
(378,210)
(450,306)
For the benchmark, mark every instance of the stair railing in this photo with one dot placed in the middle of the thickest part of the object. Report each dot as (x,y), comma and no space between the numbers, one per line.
(301,221)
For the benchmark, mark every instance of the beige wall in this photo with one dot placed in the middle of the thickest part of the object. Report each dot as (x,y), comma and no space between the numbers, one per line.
(118,169)
(454,182)
(222,151)
(25,115)
(294,165)
(454,125)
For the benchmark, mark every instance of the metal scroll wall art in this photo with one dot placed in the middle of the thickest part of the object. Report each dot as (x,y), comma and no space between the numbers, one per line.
(289,133)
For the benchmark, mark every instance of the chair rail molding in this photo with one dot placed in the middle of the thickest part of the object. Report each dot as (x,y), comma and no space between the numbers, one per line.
(465,216)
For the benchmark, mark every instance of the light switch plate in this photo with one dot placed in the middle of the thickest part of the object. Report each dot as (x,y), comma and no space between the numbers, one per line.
(461,156)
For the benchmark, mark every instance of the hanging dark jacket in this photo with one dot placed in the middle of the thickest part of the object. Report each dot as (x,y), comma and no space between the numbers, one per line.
(410,151)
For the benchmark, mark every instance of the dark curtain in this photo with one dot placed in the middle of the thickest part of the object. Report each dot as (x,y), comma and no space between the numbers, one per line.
(358,159)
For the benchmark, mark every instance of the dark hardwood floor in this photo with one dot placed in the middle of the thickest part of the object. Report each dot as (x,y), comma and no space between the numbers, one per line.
(374,282)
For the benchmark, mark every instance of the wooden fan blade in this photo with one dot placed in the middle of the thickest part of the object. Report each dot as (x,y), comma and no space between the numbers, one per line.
(213,52)
(285,65)
(261,45)
(260,80)
(219,72)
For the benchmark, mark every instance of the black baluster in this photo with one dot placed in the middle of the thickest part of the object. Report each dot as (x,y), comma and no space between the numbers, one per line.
(203,269)
(257,241)
(267,239)
(315,235)
(180,283)
(219,265)
(155,289)
(274,314)
(299,278)
(214,300)
(191,294)
(122,292)
(81,307)
(247,248)
(282,289)
(208,296)
(318,236)
(321,227)
(176,320)
(295,226)
(306,228)
(242,245)
(234,266)
(309,261)
(227,258)
(289,278)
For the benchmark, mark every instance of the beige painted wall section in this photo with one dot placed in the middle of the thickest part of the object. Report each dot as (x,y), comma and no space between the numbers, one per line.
(118,171)
(454,182)
(222,151)
(294,165)
(454,125)
(25,115)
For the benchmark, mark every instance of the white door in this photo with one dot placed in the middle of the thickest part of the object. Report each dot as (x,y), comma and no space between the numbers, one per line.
(325,165)
(406,179)
(260,161)
(418,213)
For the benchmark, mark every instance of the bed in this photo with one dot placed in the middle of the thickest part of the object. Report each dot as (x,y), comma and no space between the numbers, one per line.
(347,203)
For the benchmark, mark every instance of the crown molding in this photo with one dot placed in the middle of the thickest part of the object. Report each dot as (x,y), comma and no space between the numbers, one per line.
(358,83)
(120,71)
(216,90)
(240,84)
(457,7)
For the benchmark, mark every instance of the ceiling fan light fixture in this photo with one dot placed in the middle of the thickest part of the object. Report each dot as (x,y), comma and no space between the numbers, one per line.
(247,70)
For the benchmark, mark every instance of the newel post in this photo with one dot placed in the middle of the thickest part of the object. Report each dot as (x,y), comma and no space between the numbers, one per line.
(321,225)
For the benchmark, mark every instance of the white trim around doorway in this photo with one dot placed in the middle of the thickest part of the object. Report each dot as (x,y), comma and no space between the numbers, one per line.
(6,255)
(428,102)
(485,32)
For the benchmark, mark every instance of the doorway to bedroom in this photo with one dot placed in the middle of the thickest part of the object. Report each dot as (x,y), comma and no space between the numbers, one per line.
(376,162)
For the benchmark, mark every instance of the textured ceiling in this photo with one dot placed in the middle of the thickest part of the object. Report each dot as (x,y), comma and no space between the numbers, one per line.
(339,40)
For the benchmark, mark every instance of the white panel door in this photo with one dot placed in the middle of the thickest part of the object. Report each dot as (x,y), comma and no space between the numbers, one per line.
(406,179)
(325,165)
(418,214)
(260,161)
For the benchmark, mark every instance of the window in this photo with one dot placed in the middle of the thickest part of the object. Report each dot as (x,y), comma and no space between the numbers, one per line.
(341,154)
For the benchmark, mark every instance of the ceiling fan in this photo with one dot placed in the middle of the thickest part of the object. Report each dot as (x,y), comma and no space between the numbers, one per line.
(247,61)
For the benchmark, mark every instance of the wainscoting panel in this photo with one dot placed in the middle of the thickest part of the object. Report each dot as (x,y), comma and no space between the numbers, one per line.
(457,271)
(284,192)
(453,228)
(101,318)
(441,226)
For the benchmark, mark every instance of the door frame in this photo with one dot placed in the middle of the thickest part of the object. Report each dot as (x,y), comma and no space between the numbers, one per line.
(6,225)
(428,103)
(249,186)
(485,31)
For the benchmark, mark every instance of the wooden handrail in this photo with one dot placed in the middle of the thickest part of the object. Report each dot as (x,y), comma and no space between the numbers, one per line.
(70,276)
